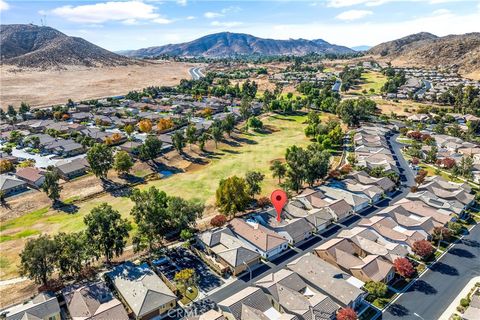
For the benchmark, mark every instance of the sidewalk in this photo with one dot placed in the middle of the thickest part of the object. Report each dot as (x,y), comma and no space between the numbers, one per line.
(452,308)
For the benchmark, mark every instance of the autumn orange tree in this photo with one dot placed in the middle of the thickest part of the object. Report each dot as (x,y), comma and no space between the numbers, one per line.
(347,314)
(164,124)
(145,126)
(403,267)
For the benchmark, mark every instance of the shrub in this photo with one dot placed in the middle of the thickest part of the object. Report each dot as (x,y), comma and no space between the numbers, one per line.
(455,227)
(464,302)
(218,221)
(263,202)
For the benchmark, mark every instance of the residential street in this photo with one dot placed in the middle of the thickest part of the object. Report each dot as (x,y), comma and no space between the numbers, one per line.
(439,286)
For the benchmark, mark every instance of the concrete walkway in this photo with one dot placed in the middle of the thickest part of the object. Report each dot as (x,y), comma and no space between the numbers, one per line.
(452,308)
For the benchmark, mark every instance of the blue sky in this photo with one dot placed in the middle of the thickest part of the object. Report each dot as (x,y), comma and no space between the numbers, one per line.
(132,24)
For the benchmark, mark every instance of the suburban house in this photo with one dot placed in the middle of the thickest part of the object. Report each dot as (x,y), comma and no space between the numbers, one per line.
(10,185)
(228,250)
(251,303)
(339,209)
(373,243)
(389,229)
(32,176)
(93,301)
(289,293)
(131,147)
(295,230)
(258,238)
(319,219)
(342,288)
(364,178)
(358,202)
(408,220)
(419,208)
(142,290)
(209,315)
(457,195)
(346,255)
(72,169)
(43,306)
(373,192)
(450,207)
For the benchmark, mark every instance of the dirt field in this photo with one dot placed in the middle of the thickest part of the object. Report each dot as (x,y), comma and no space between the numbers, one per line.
(40,88)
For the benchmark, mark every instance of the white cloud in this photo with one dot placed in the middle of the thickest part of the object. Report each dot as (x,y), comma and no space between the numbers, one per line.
(190,18)
(349,3)
(4,6)
(228,24)
(212,15)
(351,15)
(162,21)
(107,11)
(183,3)
(440,12)
(222,13)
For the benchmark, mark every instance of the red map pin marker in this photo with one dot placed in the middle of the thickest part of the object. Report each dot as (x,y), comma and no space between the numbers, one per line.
(278,199)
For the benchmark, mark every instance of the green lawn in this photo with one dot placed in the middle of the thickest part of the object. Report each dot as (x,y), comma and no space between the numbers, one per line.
(188,296)
(371,80)
(256,153)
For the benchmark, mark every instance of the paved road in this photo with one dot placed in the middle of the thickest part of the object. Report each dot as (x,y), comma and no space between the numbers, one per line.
(195,73)
(292,254)
(438,287)
(408,178)
(426,86)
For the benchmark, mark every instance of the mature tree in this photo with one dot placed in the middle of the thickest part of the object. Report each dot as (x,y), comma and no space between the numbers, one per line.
(202,140)
(317,165)
(123,162)
(346,314)
(51,186)
(11,111)
(150,149)
(253,180)
(145,126)
(228,124)
(73,252)
(129,129)
(404,267)
(38,258)
(423,248)
(441,233)
(278,170)
(232,196)
(151,216)
(297,161)
(217,134)
(178,141)
(352,111)
(245,106)
(6,166)
(107,231)
(100,159)
(255,123)
(376,289)
(218,220)
(182,213)
(191,135)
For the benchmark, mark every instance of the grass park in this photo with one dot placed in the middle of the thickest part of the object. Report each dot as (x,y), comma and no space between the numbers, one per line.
(246,151)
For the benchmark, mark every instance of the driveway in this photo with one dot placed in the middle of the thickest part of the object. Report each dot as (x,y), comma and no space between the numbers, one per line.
(430,295)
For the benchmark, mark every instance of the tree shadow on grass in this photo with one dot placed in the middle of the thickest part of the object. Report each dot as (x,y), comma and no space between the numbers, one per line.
(69,208)
(244,140)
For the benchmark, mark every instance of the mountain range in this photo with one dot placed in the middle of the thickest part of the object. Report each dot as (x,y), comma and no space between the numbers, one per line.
(31,46)
(227,44)
(461,52)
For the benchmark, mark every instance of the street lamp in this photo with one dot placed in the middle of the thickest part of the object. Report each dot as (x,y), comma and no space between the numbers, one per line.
(417,315)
